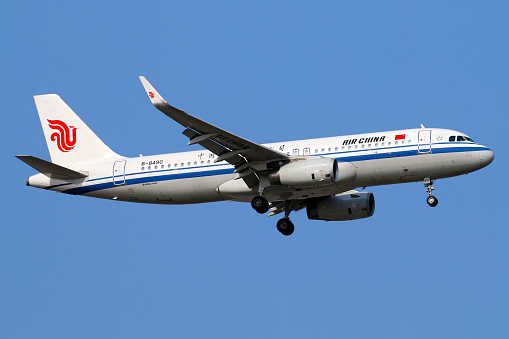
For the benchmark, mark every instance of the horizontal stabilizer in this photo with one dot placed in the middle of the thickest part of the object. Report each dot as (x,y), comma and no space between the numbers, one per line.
(50,169)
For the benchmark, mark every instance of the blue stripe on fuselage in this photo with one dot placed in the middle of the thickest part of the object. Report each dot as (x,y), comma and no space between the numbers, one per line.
(159,177)
(340,156)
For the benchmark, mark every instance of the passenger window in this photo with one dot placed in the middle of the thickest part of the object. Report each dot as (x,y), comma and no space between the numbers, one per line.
(362,146)
(143,168)
(149,168)
(155,167)
(330,149)
(208,161)
(175,165)
(395,142)
(343,148)
(316,151)
(182,165)
(356,146)
(336,149)
(188,164)
(390,143)
(451,139)
(195,163)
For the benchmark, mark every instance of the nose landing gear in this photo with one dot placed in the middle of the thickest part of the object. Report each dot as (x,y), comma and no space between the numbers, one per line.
(428,184)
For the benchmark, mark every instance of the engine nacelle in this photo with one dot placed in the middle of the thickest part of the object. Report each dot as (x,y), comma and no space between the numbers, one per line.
(357,205)
(305,173)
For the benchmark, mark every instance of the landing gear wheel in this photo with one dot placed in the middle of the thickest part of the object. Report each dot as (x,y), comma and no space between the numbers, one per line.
(260,204)
(285,226)
(432,201)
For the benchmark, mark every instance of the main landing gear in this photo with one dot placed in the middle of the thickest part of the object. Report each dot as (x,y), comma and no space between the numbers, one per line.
(284,225)
(260,204)
(431,200)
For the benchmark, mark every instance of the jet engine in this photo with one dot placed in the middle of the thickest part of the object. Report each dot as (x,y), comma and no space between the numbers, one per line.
(350,206)
(314,172)
(305,173)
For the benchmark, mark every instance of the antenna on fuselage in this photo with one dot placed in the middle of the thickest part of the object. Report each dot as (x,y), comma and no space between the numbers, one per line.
(422,126)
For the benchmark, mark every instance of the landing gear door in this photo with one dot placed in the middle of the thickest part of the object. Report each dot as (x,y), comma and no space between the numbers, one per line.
(119,173)
(424,145)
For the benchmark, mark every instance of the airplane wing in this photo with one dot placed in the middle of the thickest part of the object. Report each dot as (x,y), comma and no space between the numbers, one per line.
(246,156)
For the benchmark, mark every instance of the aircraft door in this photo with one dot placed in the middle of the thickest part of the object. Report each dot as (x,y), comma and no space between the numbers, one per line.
(424,143)
(119,173)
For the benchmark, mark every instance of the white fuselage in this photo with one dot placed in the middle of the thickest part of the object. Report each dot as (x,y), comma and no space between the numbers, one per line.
(193,177)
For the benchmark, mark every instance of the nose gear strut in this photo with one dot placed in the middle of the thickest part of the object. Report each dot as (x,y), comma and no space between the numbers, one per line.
(428,184)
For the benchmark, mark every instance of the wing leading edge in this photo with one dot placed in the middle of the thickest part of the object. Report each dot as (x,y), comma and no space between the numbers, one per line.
(246,156)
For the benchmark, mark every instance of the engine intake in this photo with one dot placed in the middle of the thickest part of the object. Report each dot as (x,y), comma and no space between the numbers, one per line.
(305,173)
(343,207)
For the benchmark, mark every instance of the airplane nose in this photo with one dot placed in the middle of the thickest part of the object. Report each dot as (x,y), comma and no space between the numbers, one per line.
(486,157)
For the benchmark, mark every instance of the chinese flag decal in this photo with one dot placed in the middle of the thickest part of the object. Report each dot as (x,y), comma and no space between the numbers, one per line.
(400,137)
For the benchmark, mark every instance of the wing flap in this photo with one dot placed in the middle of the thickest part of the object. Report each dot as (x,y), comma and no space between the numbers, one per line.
(280,206)
(212,146)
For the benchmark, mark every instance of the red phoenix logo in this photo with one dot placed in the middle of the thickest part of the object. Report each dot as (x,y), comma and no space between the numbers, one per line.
(65,142)
(151,95)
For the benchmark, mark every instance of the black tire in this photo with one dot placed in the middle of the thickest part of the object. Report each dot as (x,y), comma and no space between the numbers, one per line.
(432,201)
(260,204)
(285,226)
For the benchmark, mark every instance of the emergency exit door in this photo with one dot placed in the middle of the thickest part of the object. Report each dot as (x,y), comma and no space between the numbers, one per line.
(424,142)
(119,173)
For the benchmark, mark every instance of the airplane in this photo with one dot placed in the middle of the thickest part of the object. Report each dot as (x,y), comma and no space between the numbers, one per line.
(326,176)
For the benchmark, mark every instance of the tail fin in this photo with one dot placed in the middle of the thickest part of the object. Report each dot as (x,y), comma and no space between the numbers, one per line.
(70,141)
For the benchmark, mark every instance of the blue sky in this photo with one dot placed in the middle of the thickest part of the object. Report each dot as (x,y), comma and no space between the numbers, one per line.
(269,71)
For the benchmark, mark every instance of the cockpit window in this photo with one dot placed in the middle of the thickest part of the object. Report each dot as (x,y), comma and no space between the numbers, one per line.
(460,138)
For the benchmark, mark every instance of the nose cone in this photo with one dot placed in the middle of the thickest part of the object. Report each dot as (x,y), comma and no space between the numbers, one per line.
(486,157)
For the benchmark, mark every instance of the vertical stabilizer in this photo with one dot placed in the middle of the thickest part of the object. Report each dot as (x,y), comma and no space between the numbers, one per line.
(70,141)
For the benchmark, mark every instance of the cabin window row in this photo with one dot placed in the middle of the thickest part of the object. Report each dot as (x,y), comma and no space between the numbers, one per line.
(363,146)
(175,165)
